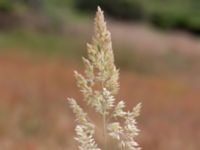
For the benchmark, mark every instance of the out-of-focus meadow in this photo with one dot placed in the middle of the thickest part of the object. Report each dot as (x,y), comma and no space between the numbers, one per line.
(157,48)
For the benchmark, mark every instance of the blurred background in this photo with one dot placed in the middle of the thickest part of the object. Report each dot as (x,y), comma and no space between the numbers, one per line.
(157,48)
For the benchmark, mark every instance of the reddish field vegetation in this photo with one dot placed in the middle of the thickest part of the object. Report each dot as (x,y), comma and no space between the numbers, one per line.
(34,114)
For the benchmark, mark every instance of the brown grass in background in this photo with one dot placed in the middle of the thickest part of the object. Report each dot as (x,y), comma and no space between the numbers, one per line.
(34,114)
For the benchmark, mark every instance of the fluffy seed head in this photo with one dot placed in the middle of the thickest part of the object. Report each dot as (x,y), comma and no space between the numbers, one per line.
(99,85)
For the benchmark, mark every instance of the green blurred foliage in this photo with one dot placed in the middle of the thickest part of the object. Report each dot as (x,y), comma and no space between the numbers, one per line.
(166,14)
(175,14)
(6,6)
(123,9)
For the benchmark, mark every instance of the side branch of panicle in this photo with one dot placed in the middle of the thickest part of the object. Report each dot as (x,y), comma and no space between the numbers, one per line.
(84,129)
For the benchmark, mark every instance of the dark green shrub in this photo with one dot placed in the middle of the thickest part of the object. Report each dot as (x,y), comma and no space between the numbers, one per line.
(169,14)
(6,6)
(123,9)
(168,20)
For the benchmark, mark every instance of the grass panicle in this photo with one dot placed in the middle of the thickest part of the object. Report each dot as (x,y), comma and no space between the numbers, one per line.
(99,85)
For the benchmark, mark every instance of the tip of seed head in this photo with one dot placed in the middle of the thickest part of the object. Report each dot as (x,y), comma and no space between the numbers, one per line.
(98,8)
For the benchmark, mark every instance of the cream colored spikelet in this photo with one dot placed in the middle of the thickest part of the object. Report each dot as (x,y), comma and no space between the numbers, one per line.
(99,85)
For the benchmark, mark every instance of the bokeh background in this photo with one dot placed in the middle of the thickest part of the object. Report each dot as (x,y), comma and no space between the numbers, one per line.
(157,48)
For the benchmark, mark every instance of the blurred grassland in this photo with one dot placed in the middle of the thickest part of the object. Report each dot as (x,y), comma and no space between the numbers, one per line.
(34,43)
(34,114)
(61,31)
(72,47)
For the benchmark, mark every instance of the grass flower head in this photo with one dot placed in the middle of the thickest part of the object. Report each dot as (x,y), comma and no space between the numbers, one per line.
(99,85)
